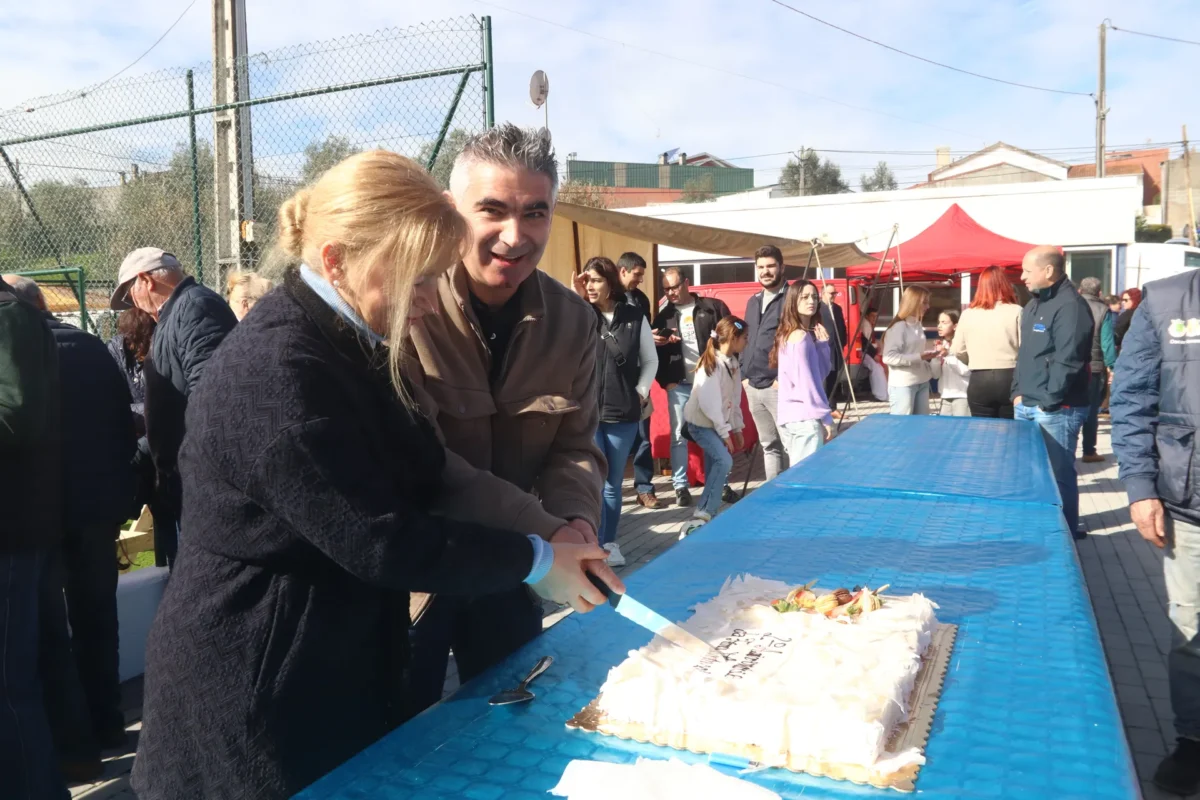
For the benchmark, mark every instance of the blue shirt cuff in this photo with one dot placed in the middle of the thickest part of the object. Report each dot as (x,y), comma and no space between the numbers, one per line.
(543,559)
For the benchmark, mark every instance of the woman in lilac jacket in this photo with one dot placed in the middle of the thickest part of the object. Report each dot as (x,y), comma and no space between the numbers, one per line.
(803,358)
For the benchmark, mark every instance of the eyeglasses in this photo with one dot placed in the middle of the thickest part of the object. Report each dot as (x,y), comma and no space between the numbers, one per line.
(674,288)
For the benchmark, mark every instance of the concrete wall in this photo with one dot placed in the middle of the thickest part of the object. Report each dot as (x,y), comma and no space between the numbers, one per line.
(1175,199)
(1083,212)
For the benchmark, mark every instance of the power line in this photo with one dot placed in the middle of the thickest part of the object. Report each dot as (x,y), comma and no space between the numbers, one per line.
(702,65)
(927,60)
(85,92)
(1039,151)
(1154,36)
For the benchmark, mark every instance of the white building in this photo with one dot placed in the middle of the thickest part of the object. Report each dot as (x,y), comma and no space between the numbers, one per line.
(1092,219)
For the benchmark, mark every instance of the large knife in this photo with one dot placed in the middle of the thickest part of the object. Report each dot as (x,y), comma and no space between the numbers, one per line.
(654,622)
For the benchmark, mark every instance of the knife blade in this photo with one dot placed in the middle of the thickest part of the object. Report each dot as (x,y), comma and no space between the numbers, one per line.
(654,622)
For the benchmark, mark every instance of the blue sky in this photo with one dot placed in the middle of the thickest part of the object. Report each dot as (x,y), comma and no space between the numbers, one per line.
(614,102)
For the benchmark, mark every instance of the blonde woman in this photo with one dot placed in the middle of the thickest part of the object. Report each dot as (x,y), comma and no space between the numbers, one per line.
(907,354)
(243,290)
(280,645)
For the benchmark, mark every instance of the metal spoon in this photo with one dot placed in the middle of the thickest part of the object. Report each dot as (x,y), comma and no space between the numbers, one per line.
(522,694)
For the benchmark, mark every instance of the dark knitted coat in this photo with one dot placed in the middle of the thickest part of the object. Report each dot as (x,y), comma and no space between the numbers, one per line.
(279,648)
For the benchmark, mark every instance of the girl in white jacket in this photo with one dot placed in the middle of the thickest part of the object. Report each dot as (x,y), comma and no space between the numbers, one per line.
(907,355)
(713,414)
(953,375)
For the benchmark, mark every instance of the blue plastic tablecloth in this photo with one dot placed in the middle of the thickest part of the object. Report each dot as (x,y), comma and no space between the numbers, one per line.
(1027,709)
(991,459)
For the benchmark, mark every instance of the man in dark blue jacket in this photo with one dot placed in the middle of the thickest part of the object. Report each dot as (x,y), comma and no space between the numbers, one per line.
(192,321)
(632,270)
(30,525)
(758,376)
(1155,409)
(1050,383)
(81,669)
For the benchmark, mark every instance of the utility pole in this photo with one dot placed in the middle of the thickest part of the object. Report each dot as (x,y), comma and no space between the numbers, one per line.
(800,160)
(1101,108)
(1187,177)
(232,152)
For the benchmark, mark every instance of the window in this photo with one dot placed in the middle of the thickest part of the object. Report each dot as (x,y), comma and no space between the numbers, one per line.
(1191,259)
(727,273)
(1090,264)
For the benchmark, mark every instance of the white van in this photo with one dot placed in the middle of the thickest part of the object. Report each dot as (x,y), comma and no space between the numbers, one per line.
(1145,262)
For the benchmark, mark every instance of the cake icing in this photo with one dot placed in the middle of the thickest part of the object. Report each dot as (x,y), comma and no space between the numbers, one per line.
(802,684)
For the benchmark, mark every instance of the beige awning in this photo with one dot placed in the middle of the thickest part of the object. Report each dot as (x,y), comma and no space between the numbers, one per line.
(703,239)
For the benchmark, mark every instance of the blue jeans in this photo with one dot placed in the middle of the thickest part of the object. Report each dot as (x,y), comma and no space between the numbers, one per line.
(908,400)
(28,762)
(615,440)
(1060,429)
(717,463)
(643,459)
(1181,568)
(678,398)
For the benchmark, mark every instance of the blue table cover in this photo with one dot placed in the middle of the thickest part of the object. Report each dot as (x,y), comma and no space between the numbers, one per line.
(989,459)
(1027,709)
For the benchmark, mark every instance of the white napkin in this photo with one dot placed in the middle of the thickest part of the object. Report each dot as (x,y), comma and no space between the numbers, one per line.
(653,780)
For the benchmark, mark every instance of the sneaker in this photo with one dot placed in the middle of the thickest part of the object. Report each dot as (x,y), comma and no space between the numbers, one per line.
(683,497)
(647,500)
(699,518)
(728,495)
(615,559)
(1094,458)
(1179,773)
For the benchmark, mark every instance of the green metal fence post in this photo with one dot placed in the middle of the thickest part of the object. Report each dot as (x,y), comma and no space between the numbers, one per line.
(197,232)
(83,315)
(437,145)
(16,176)
(489,77)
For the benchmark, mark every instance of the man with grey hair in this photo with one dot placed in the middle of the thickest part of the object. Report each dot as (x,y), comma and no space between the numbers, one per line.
(507,373)
(192,321)
(1050,382)
(1089,290)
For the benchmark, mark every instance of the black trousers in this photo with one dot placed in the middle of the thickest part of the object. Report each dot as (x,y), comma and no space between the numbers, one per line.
(989,394)
(482,631)
(90,559)
(62,691)
(1097,383)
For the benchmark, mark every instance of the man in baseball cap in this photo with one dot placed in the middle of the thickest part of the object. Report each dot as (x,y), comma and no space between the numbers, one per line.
(157,269)
(192,321)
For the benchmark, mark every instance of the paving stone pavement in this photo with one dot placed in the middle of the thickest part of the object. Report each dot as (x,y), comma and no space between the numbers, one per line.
(1123,573)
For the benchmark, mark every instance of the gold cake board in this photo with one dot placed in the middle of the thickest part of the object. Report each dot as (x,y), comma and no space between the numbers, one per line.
(913,733)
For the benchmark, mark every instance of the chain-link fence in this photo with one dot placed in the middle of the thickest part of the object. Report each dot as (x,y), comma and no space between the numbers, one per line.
(89,175)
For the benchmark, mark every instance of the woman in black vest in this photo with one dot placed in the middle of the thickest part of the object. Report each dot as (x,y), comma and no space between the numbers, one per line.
(625,367)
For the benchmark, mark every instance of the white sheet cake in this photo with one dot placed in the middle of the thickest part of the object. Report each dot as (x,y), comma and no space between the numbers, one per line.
(797,682)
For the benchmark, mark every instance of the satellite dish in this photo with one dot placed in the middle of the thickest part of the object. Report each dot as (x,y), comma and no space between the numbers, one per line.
(539,88)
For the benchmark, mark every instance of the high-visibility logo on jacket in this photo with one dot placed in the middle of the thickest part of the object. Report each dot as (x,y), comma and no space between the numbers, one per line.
(1180,328)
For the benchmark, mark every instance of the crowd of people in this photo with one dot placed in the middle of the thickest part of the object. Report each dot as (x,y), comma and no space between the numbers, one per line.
(418,436)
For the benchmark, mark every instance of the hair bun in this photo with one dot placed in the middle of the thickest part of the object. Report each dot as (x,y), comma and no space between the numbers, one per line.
(291,223)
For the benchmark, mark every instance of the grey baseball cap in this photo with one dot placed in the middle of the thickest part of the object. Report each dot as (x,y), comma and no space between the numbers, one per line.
(142,260)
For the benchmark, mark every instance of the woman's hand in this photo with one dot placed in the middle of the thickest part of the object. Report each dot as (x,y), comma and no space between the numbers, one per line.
(567,581)
(738,441)
(929,355)
(820,332)
(830,432)
(579,282)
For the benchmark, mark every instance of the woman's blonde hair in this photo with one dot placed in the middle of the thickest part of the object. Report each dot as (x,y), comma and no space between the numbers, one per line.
(910,304)
(381,209)
(254,286)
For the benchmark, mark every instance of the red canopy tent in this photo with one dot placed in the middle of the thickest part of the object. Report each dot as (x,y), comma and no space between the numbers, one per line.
(952,245)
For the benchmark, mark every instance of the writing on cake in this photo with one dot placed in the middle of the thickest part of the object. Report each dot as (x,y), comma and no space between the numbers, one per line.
(742,653)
